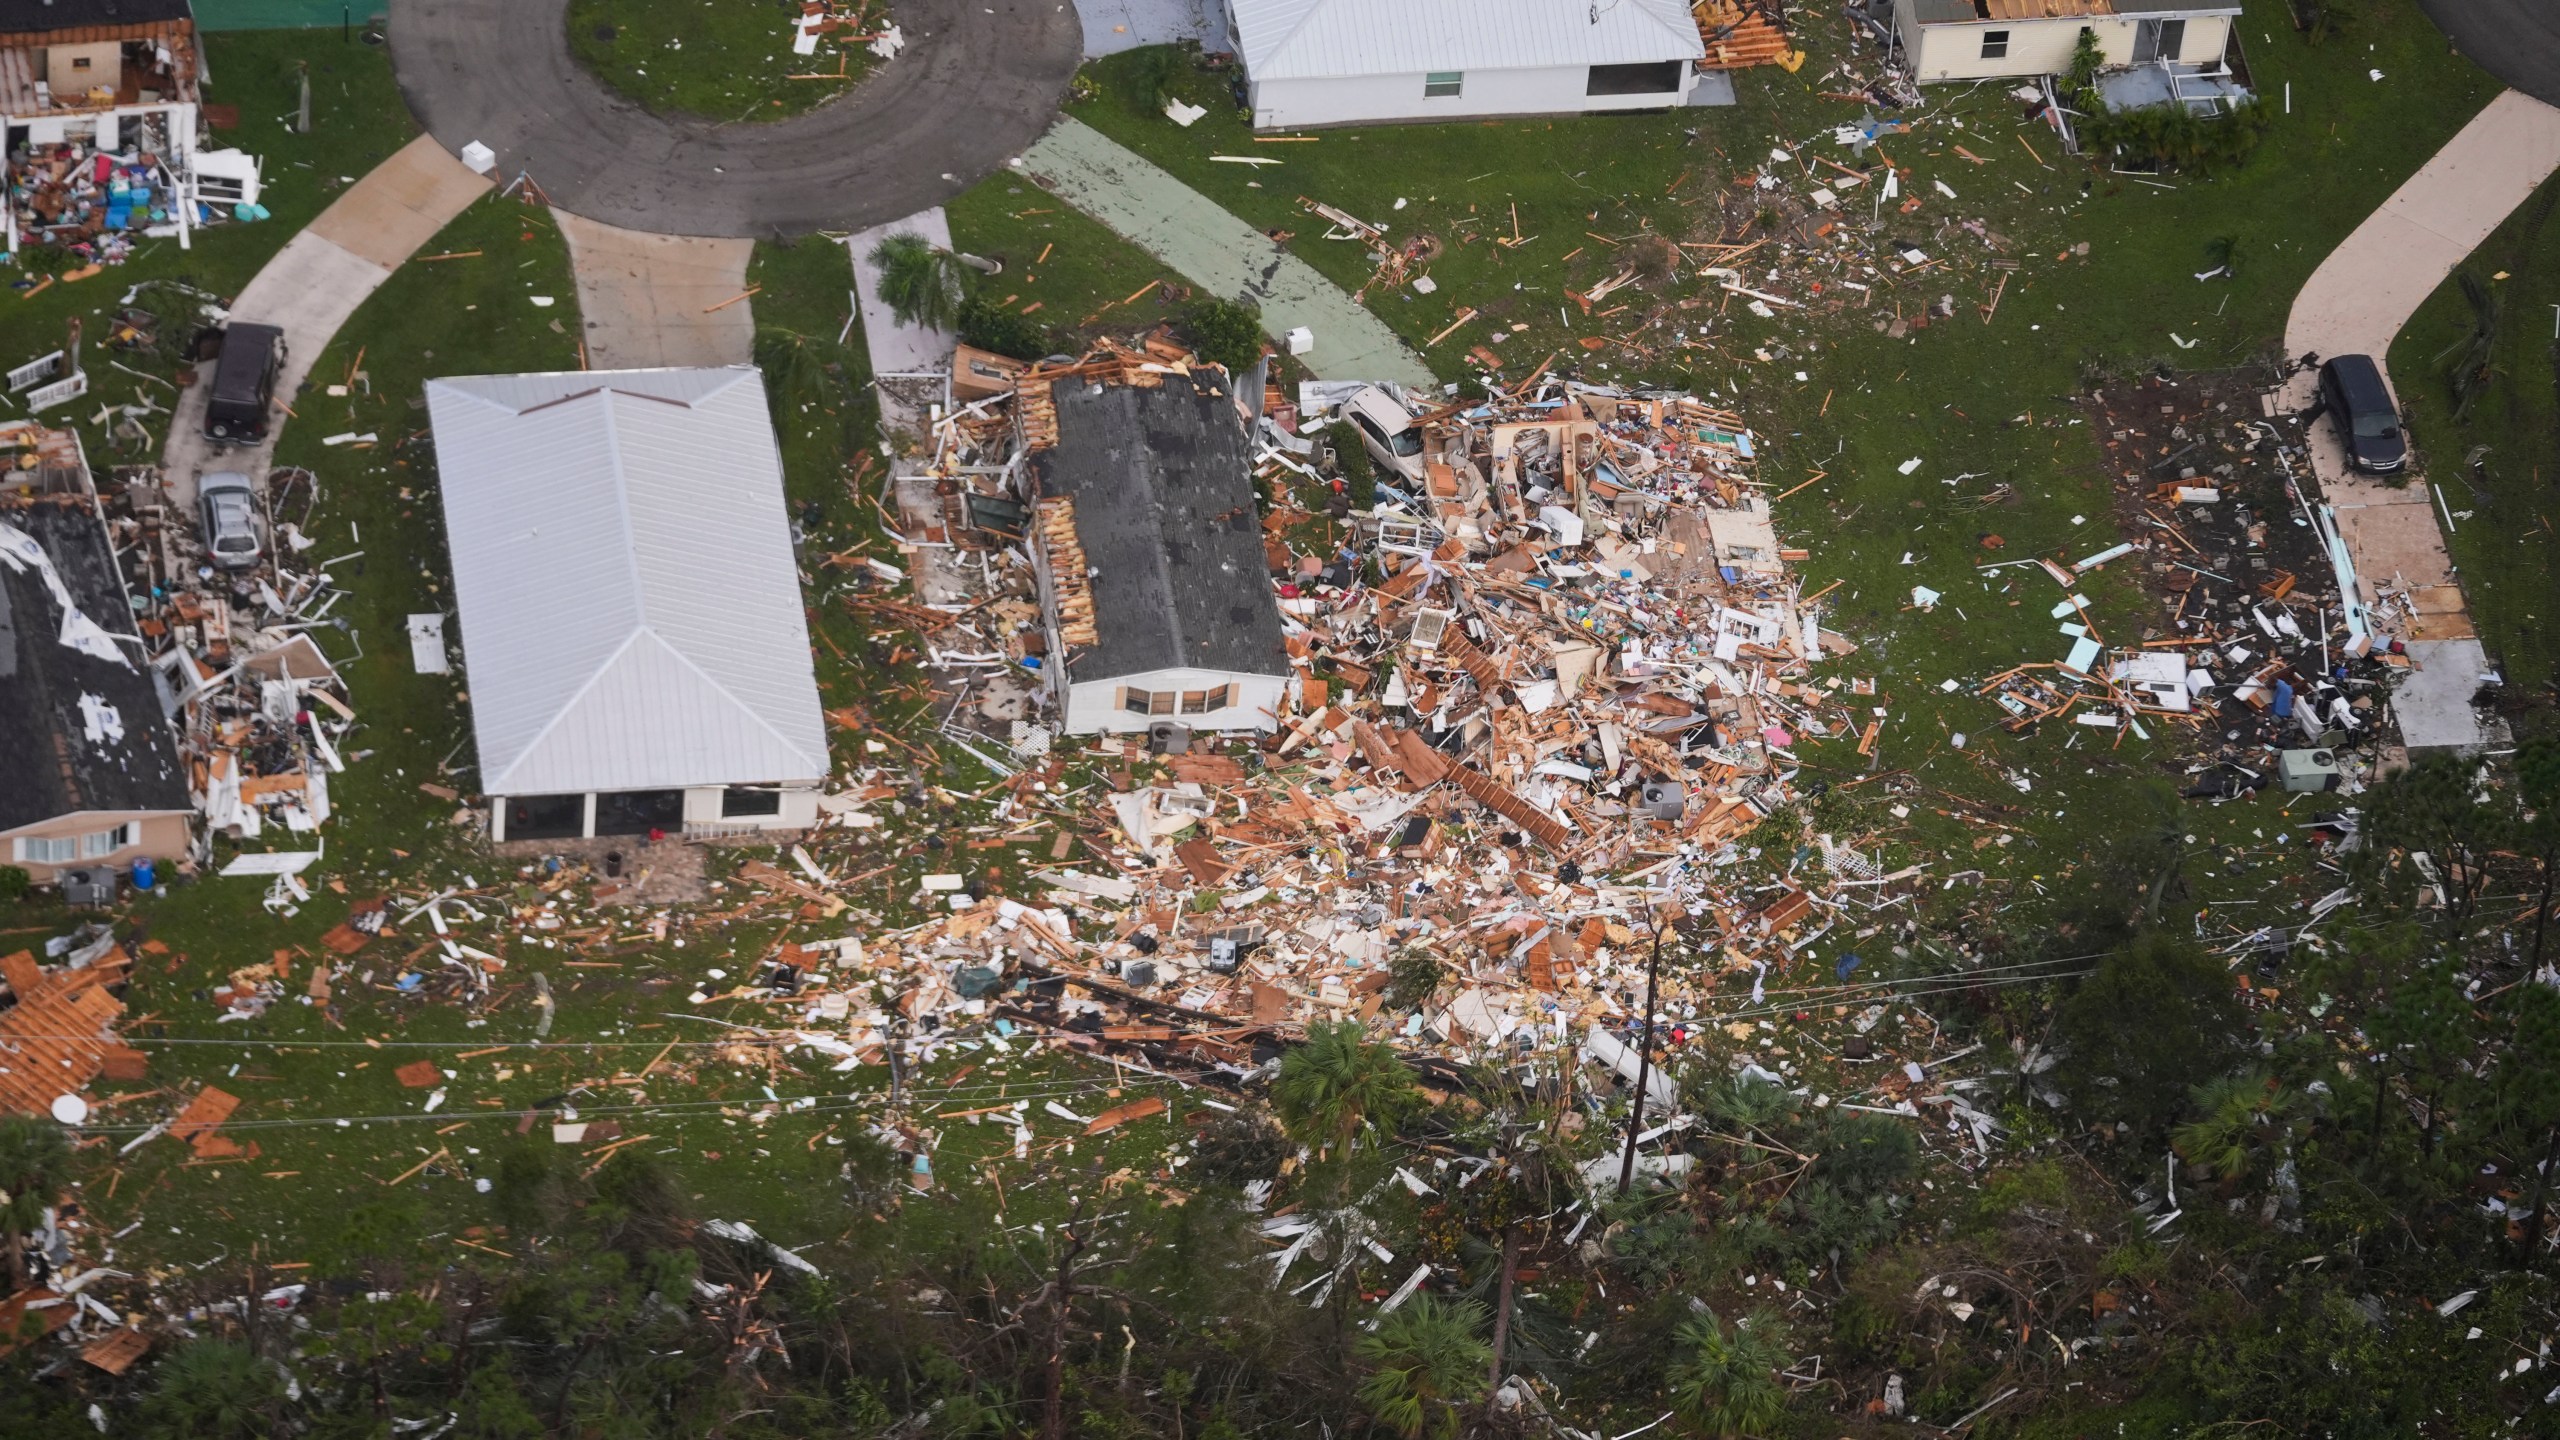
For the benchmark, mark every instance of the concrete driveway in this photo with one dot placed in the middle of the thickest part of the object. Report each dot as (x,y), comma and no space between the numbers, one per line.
(316,281)
(2356,303)
(977,81)
(655,300)
(2516,40)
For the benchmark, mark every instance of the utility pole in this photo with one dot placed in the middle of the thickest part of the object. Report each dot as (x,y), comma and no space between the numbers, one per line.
(1644,1060)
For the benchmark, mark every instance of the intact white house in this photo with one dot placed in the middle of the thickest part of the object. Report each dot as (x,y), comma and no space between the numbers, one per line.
(631,615)
(1150,560)
(1341,62)
(1997,39)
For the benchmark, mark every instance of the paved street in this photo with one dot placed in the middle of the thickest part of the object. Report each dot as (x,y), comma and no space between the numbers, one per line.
(977,81)
(2516,40)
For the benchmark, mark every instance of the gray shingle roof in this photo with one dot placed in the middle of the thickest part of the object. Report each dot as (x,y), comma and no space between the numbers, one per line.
(1165,513)
(49,767)
(630,605)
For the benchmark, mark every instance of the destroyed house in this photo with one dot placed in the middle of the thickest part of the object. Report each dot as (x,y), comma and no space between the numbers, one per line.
(89,771)
(85,87)
(2156,50)
(1345,62)
(632,627)
(1150,557)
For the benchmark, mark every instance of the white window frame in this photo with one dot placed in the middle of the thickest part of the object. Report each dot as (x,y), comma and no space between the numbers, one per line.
(29,846)
(1443,84)
(100,843)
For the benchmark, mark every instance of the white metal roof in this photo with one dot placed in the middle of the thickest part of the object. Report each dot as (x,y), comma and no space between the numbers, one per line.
(1307,39)
(622,561)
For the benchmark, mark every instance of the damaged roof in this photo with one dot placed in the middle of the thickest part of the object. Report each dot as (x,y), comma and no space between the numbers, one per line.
(1957,12)
(35,17)
(56,674)
(630,605)
(1306,39)
(1171,532)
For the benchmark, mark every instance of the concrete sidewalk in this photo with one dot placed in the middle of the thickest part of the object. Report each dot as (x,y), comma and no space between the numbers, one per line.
(316,281)
(2357,303)
(1218,252)
(656,300)
(900,352)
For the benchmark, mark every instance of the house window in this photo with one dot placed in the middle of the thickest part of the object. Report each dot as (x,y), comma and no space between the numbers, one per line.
(1441,83)
(45,851)
(1648,78)
(747,804)
(545,817)
(1160,703)
(1134,700)
(1201,702)
(106,842)
(1995,44)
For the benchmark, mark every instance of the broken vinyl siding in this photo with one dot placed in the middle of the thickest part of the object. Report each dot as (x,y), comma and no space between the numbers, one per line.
(1103,707)
(1356,99)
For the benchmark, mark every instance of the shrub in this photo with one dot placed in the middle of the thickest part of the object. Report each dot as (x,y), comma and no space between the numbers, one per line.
(990,326)
(14,883)
(1226,331)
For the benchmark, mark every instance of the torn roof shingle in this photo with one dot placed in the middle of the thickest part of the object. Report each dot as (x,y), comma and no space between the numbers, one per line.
(1166,516)
(49,767)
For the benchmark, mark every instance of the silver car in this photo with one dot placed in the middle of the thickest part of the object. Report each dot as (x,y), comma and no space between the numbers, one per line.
(229,505)
(1389,433)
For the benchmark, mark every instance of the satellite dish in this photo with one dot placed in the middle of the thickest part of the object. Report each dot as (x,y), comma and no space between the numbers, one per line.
(70,1109)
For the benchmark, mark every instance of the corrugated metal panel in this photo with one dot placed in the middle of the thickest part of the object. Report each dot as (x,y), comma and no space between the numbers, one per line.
(631,608)
(1307,39)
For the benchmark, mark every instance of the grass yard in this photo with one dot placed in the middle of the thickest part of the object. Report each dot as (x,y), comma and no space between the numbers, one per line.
(2499,466)
(727,60)
(1063,269)
(316,1188)
(358,120)
(1980,403)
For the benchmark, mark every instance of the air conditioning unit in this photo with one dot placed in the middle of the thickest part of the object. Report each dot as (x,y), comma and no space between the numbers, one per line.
(1665,799)
(1168,737)
(2307,771)
(90,885)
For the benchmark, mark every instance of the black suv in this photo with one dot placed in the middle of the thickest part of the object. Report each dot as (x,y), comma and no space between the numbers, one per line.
(2351,389)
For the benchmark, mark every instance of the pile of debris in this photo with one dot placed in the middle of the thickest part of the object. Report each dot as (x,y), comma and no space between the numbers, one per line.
(2254,664)
(261,709)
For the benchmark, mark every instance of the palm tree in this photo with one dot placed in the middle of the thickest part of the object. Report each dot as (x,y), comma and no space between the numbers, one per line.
(214,1390)
(2223,1143)
(1339,1080)
(35,1163)
(1429,1365)
(921,282)
(1727,1378)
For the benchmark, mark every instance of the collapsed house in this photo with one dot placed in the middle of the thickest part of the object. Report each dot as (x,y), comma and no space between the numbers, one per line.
(99,117)
(89,776)
(631,614)
(1149,554)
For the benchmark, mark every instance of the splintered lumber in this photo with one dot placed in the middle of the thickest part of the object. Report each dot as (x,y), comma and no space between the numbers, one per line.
(1464,316)
(1035,414)
(203,1115)
(1123,1114)
(1056,517)
(1489,793)
(1488,676)
(55,1039)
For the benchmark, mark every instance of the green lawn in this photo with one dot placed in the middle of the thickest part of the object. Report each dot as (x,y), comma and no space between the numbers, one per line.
(1063,269)
(358,120)
(1993,401)
(727,60)
(2499,466)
